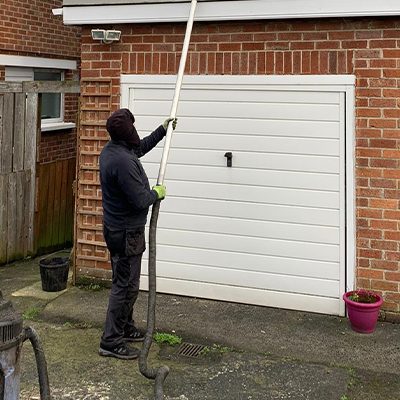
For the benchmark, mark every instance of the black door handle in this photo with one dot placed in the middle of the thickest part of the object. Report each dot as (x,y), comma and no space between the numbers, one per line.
(228,156)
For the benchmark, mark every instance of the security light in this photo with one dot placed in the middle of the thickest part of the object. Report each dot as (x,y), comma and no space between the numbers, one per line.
(106,37)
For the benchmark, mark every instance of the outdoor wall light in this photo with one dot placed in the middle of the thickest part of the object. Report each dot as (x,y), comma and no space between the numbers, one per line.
(106,37)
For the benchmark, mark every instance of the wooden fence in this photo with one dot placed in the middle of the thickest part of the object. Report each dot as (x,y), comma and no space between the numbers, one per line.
(35,200)
(54,211)
(18,136)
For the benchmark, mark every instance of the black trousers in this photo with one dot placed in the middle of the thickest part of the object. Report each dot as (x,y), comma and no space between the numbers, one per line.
(126,249)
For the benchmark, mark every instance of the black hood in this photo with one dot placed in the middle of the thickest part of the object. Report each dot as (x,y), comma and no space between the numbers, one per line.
(120,127)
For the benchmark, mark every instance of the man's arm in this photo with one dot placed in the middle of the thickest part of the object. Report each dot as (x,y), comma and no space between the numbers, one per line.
(150,141)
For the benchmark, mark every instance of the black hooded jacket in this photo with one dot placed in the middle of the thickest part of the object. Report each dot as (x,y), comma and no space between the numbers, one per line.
(125,187)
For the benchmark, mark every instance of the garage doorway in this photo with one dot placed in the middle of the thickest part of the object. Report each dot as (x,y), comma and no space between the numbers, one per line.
(260,187)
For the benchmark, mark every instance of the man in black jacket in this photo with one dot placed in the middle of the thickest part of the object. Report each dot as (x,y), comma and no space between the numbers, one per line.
(126,197)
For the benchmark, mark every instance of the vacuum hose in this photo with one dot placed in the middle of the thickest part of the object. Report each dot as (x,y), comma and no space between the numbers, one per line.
(30,333)
(159,374)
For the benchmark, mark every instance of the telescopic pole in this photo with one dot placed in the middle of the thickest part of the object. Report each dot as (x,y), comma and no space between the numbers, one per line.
(159,374)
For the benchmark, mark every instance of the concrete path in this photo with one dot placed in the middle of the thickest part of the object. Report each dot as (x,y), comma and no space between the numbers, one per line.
(249,352)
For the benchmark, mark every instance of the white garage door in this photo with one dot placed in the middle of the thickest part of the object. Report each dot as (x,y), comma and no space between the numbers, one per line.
(270,229)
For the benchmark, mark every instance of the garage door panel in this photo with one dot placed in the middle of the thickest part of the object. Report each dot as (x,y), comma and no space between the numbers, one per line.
(245,262)
(252,194)
(251,228)
(226,109)
(270,298)
(242,244)
(251,279)
(235,143)
(252,211)
(271,161)
(248,126)
(293,180)
(261,95)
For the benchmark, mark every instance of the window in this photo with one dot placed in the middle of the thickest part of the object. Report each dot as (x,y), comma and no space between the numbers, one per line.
(52,103)
(52,106)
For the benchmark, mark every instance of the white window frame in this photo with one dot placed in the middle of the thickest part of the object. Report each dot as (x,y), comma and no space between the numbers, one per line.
(32,63)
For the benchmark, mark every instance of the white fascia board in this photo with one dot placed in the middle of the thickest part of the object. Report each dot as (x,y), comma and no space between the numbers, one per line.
(228,11)
(36,62)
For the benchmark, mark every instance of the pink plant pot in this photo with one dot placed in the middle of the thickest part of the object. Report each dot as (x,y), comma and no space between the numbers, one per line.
(363,316)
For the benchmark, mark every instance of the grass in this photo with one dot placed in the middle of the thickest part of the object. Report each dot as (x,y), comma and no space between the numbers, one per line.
(169,338)
(31,313)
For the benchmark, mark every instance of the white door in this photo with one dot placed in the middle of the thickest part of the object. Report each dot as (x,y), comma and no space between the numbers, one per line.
(270,229)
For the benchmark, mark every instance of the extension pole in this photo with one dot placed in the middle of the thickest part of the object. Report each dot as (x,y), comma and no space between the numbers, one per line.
(178,86)
(159,374)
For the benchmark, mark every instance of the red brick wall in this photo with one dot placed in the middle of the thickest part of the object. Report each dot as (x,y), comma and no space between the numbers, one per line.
(28,27)
(57,145)
(367,48)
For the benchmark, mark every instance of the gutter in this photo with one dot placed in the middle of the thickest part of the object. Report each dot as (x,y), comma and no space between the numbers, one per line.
(214,11)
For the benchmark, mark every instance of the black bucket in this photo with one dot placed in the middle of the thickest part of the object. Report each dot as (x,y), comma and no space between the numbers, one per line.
(54,273)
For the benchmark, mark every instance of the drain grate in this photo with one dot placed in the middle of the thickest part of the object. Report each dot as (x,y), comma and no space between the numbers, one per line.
(190,349)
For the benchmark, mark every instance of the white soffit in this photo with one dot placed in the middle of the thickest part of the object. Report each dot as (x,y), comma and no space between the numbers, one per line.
(36,62)
(228,11)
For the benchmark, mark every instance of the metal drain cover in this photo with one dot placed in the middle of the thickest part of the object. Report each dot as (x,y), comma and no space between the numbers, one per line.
(190,349)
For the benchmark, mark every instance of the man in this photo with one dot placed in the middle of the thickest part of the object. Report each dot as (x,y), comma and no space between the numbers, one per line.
(126,196)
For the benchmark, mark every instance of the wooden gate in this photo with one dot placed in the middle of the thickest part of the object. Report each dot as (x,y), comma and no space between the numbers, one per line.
(36,201)
(18,136)
(54,210)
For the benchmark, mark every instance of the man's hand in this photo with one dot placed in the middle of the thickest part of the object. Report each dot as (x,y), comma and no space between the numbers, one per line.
(161,191)
(168,120)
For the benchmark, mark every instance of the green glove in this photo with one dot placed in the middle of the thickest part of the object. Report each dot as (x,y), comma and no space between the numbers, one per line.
(167,121)
(161,191)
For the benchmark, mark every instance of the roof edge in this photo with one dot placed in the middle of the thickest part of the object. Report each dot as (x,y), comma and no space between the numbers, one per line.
(227,11)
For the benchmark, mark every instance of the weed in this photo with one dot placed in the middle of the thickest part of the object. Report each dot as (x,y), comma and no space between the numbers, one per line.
(31,313)
(344,397)
(215,348)
(353,378)
(171,339)
(90,284)
(93,287)
(77,325)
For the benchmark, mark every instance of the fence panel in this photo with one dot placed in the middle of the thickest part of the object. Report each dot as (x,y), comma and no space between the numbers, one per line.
(54,218)
(17,172)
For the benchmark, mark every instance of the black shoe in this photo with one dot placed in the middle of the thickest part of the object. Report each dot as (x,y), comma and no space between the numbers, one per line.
(121,351)
(135,335)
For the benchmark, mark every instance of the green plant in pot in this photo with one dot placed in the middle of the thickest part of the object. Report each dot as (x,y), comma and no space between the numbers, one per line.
(363,309)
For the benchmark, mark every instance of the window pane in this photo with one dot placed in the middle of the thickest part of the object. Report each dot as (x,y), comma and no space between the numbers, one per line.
(47,76)
(51,105)
(51,102)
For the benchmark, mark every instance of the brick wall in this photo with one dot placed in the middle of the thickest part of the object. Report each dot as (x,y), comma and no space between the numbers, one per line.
(367,48)
(28,27)
(57,145)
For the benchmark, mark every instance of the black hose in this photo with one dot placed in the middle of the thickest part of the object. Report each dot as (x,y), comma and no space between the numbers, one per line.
(30,333)
(2,383)
(158,374)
